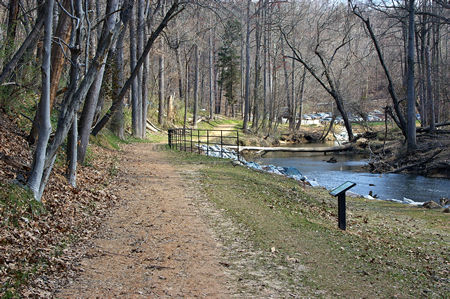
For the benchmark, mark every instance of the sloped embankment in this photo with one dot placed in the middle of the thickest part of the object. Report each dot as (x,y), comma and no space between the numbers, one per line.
(33,236)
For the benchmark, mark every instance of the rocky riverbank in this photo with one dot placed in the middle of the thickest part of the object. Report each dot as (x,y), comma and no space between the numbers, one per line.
(431,159)
(386,150)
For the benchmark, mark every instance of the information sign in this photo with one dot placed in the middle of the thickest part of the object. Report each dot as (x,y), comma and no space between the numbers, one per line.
(342,188)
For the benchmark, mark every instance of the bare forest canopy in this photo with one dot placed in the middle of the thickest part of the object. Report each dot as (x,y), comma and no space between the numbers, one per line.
(72,68)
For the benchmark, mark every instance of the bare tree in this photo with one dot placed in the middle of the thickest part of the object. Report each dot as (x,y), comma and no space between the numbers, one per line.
(62,34)
(411,97)
(45,128)
(171,13)
(117,123)
(211,72)
(326,69)
(74,46)
(161,84)
(135,104)
(247,69)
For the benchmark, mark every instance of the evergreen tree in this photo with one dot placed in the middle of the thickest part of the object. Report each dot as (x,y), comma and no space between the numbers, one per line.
(228,61)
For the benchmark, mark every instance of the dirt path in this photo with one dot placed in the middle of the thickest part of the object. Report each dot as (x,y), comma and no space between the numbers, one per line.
(156,244)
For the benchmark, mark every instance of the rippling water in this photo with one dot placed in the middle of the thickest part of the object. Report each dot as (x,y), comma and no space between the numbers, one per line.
(349,168)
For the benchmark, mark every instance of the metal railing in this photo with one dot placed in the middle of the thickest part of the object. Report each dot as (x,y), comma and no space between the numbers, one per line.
(191,140)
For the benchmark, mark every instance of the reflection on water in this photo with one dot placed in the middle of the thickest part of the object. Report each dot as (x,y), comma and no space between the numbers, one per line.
(349,168)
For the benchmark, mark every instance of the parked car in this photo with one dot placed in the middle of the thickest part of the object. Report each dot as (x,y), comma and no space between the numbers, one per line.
(339,120)
(373,118)
(355,119)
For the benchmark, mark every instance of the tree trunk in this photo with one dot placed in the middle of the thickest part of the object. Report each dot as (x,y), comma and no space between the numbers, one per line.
(241,101)
(140,48)
(45,127)
(13,13)
(294,100)
(302,91)
(247,70)
(430,90)
(196,83)
(211,74)
(135,115)
(411,99)
(180,73)
(145,97)
(161,87)
(72,153)
(62,32)
(286,86)
(117,123)
(87,115)
(257,73)
(272,87)
(72,144)
(186,94)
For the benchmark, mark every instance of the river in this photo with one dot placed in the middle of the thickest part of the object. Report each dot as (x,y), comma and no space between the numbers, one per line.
(350,168)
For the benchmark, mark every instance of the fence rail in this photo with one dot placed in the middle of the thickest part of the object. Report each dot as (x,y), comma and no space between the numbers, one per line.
(204,141)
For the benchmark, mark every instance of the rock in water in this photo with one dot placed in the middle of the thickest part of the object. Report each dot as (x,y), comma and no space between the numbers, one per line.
(431,205)
(332,160)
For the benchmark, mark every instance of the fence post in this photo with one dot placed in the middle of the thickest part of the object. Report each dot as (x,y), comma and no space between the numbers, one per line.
(238,152)
(341,211)
(207,142)
(184,139)
(191,141)
(170,138)
(221,144)
(198,140)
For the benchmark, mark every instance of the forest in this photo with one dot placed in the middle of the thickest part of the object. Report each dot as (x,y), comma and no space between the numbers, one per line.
(72,68)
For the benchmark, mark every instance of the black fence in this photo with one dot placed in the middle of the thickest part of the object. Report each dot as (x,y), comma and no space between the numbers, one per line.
(216,143)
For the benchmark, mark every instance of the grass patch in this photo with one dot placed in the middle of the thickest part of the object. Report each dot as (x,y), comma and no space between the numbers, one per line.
(388,250)
(107,139)
(211,124)
(160,137)
(17,203)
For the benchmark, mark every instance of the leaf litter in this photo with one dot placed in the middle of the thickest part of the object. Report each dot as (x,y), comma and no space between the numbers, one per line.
(34,237)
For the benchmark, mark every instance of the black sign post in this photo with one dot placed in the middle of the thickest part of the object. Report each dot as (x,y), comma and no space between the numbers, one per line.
(340,193)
